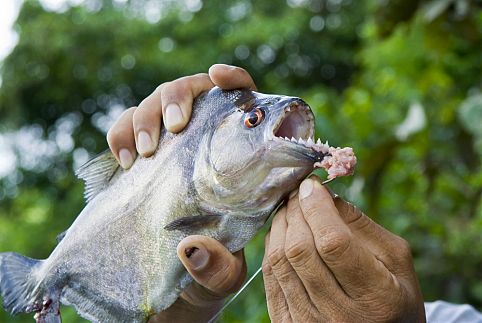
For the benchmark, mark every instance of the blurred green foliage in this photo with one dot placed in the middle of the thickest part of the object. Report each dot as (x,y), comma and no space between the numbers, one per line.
(400,81)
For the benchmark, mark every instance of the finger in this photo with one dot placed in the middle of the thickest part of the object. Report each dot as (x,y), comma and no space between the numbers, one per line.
(294,292)
(212,266)
(386,246)
(301,252)
(389,248)
(177,98)
(120,138)
(230,77)
(275,300)
(147,123)
(355,268)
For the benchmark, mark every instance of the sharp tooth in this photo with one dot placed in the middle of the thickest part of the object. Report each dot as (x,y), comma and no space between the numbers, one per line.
(293,139)
(301,141)
(288,109)
(325,148)
(309,142)
(318,142)
(286,138)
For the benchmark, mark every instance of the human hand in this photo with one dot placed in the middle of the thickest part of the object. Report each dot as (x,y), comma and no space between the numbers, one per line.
(138,128)
(215,270)
(326,261)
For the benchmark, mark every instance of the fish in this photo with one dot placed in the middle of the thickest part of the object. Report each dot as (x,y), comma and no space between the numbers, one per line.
(240,155)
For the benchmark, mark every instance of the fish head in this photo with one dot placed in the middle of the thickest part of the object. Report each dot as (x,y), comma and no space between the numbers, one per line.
(259,149)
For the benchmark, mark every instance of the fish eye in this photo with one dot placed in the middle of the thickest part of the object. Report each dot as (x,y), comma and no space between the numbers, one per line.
(254,118)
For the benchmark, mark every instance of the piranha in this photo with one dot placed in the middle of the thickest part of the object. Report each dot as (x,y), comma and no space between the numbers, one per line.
(222,177)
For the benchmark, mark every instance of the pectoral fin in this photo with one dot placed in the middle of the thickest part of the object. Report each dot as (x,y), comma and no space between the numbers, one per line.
(194,223)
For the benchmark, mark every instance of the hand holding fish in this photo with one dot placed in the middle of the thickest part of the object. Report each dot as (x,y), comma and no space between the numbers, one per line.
(138,128)
(326,261)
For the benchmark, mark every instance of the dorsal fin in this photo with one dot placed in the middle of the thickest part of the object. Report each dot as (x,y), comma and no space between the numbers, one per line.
(97,173)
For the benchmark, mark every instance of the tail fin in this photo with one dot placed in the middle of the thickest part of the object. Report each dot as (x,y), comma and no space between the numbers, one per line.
(18,289)
(16,282)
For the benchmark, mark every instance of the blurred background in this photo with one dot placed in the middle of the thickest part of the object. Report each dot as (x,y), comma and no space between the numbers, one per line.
(398,80)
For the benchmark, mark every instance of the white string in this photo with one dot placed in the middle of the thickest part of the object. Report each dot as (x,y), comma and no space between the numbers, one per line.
(235,295)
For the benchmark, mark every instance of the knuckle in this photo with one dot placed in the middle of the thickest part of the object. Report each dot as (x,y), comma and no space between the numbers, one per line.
(181,85)
(145,117)
(223,279)
(113,135)
(118,129)
(404,250)
(277,258)
(140,117)
(310,210)
(351,214)
(266,269)
(160,87)
(200,76)
(298,251)
(358,220)
(137,115)
(238,69)
(334,244)
(293,205)
(125,116)
(182,82)
(109,137)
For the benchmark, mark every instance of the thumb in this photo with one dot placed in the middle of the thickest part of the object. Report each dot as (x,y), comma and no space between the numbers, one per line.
(212,266)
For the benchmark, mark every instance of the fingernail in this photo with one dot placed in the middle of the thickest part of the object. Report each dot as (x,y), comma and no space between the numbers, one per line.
(173,116)
(198,258)
(126,158)
(306,188)
(144,143)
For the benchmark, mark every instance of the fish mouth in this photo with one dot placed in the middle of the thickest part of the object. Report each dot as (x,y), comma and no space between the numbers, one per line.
(296,121)
(296,127)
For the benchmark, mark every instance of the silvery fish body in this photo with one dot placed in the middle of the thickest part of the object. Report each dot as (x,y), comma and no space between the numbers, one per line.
(221,177)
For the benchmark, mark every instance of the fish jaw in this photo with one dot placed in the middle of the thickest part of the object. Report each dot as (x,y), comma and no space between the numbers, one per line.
(291,143)
(290,138)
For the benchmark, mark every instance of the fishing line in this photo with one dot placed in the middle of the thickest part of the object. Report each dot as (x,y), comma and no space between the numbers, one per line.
(235,295)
